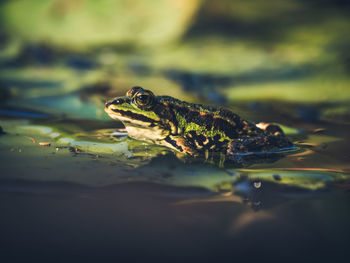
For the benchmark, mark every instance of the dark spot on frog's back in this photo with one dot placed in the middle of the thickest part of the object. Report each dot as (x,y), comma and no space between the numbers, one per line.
(226,127)
(229,115)
(165,111)
(183,111)
(207,120)
(195,116)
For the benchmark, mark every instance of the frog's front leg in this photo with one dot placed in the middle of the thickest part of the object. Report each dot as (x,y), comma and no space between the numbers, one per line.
(181,144)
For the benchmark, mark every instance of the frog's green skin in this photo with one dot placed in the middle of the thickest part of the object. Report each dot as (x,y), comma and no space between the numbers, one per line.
(193,129)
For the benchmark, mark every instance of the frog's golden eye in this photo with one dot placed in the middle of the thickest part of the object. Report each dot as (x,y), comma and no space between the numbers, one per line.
(131,92)
(144,98)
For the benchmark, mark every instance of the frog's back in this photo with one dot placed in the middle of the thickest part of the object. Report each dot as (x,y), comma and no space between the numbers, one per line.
(206,120)
(213,128)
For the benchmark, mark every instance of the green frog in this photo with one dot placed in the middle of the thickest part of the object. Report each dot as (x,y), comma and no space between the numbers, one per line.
(193,129)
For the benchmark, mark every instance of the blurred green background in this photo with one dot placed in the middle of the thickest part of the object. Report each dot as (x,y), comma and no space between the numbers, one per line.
(68,56)
(98,193)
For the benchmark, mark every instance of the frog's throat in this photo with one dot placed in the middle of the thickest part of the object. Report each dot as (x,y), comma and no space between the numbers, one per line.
(139,127)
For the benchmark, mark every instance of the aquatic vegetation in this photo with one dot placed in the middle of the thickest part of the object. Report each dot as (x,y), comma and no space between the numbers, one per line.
(72,182)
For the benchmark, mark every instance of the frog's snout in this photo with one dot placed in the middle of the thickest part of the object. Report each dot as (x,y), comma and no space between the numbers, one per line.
(108,103)
(116,101)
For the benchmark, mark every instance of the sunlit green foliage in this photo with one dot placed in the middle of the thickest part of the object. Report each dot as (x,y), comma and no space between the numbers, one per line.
(85,23)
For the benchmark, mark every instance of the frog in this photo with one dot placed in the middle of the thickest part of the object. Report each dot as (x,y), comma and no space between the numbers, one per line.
(192,129)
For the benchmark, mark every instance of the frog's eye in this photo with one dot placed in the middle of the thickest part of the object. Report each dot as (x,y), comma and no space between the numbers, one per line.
(144,98)
(131,92)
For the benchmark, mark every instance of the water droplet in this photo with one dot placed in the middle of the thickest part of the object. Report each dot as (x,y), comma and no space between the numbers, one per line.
(257,185)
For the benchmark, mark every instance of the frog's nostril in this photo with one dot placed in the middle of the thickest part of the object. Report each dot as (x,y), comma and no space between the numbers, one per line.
(115,102)
(108,103)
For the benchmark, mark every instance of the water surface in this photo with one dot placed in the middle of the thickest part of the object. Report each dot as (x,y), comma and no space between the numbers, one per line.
(96,195)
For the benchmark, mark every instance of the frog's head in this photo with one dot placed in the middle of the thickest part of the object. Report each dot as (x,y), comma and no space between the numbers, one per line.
(136,111)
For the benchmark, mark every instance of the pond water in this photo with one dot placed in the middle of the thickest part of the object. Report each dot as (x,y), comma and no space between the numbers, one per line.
(96,195)
(74,187)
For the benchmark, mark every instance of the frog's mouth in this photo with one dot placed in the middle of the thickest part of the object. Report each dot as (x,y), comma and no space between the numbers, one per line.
(138,126)
(126,115)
